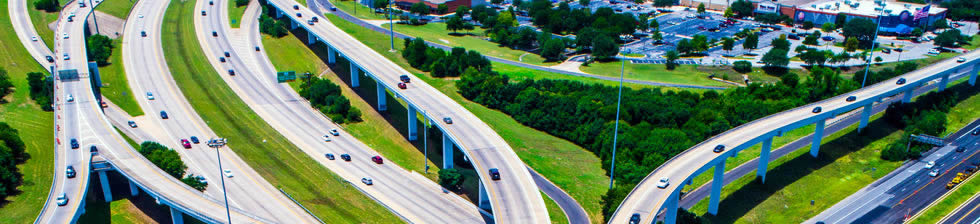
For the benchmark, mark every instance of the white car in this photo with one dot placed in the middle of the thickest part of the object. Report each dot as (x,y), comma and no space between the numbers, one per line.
(961,60)
(326,138)
(334,132)
(933,51)
(65,35)
(70,98)
(34,38)
(228,173)
(65,56)
(663,183)
(934,173)
(149,96)
(141,15)
(929,165)
(62,199)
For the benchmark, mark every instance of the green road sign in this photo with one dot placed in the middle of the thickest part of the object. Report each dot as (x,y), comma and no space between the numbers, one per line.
(287,76)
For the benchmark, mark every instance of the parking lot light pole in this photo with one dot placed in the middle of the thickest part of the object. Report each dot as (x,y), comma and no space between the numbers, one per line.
(619,99)
(871,51)
(391,25)
(217,143)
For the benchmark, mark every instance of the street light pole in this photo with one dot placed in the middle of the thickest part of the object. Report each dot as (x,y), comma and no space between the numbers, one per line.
(217,143)
(425,143)
(871,51)
(391,25)
(619,99)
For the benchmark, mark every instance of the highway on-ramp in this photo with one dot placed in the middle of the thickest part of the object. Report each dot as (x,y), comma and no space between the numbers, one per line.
(21,21)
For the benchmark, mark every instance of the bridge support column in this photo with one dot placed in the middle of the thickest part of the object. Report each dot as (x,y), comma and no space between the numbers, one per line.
(943,82)
(484,201)
(764,159)
(331,55)
(413,126)
(355,79)
(278,13)
(311,39)
(133,190)
(176,216)
(716,185)
(817,137)
(865,117)
(292,24)
(383,98)
(907,96)
(447,152)
(105,186)
(973,74)
(670,216)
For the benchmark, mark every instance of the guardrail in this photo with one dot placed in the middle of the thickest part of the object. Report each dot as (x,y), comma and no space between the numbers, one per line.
(300,205)
(379,202)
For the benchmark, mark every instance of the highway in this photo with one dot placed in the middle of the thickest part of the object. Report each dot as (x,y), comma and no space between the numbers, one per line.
(24,28)
(82,119)
(968,212)
(514,198)
(908,189)
(147,72)
(409,195)
(647,199)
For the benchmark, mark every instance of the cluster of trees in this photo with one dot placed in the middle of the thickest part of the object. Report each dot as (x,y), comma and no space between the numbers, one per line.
(450,178)
(564,20)
(861,29)
(326,96)
(269,25)
(99,48)
(11,153)
(742,8)
(886,73)
(697,45)
(47,5)
(927,115)
(742,66)
(951,38)
(456,23)
(41,89)
(439,63)
(962,9)
(240,3)
(778,55)
(6,86)
(812,56)
(169,161)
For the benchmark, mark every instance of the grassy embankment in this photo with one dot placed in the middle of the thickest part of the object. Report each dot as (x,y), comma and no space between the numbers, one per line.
(264,149)
(235,14)
(115,86)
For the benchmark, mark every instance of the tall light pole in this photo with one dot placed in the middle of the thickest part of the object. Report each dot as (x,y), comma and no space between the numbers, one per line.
(871,51)
(619,99)
(391,27)
(217,143)
(425,142)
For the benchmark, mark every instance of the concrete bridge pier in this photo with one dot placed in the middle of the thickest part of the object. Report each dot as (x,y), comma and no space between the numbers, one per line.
(865,117)
(817,137)
(447,153)
(133,190)
(292,24)
(764,159)
(278,13)
(973,74)
(716,185)
(106,192)
(331,55)
(943,82)
(670,216)
(176,216)
(355,79)
(484,201)
(413,126)
(907,96)
(383,98)
(310,38)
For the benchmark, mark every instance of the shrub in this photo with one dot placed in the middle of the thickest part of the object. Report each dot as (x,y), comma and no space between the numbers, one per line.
(742,66)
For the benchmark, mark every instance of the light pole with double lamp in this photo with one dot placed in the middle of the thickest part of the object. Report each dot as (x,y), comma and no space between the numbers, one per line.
(217,143)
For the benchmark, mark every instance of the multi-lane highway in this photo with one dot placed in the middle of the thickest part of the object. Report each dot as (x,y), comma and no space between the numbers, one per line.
(408,194)
(646,200)
(514,198)
(24,28)
(968,212)
(148,73)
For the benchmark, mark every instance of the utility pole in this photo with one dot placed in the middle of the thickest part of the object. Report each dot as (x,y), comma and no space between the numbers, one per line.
(391,28)
(871,50)
(217,143)
(619,99)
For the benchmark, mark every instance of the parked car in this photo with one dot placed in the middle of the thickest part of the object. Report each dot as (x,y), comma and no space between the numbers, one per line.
(900,81)
(851,98)
(719,148)
(195,140)
(377,159)
(447,120)
(345,157)
(329,156)
(163,115)
(74,143)
(401,85)
(70,171)
(929,165)
(827,38)
(817,110)
(934,51)
(185,143)
(663,183)
(367,180)
(405,78)
(132,124)
(494,174)
(62,199)
(334,132)
(886,51)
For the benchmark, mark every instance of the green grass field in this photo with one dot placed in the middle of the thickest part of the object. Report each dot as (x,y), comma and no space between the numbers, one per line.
(585,180)
(117,8)
(118,211)
(40,20)
(271,155)
(471,40)
(685,74)
(35,127)
(953,199)
(115,86)
(235,14)
(358,10)
(554,212)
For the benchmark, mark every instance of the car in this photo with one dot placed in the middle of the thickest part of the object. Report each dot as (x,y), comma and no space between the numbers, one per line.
(186,144)
(635,218)
(961,60)
(933,51)
(793,37)
(227,54)
(898,50)
(494,174)
(204,13)
(33,38)
(62,199)
(231,72)
(49,58)
(210,2)
(827,38)
(334,132)
(201,179)
(405,78)
(94,150)
(367,180)
(143,33)
(149,96)
(886,51)
(851,98)
(64,35)
(163,115)
(929,165)
(900,81)
(315,19)
(70,98)
(228,174)
(333,8)
(817,110)
(195,140)
(132,124)
(447,120)
(221,59)
(71,18)
(309,22)
(103,104)
(74,143)
(140,15)
(329,156)
(377,159)
(300,15)
(295,7)
(663,183)
(934,173)
(345,157)
(719,148)
(401,85)
(960,149)
(70,171)
(65,56)
(326,138)
(256,48)
(976,131)
(214,33)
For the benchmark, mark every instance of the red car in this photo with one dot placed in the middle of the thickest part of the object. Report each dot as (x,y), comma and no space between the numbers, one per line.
(185,143)
(401,85)
(377,159)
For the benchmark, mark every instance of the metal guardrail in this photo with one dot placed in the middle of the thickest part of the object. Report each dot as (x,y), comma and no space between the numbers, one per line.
(379,202)
(300,205)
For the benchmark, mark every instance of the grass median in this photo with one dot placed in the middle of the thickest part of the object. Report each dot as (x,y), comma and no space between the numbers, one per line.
(41,21)
(117,8)
(271,155)
(569,166)
(235,14)
(953,200)
(34,125)
(115,85)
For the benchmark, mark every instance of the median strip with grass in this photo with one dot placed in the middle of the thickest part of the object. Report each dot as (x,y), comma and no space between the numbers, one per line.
(115,85)
(271,155)
(235,12)
(40,19)
(952,201)
(117,8)
(35,126)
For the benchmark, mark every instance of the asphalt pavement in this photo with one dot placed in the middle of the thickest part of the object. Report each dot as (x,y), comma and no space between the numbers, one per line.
(968,212)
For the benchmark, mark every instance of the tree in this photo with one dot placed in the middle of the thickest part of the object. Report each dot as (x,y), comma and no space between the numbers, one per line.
(812,39)
(273,27)
(813,57)
(450,178)
(379,4)
(454,23)
(742,8)
(701,8)
(851,44)
(99,48)
(742,66)
(962,9)
(11,139)
(878,59)
(828,27)
(47,5)
(442,8)
(940,24)
(775,58)
(163,157)
(604,48)
(729,13)
(462,10)
(751,42)
(584,2)
(240,3)
(672,57)
(861,29)
(41,89)
(643,25)
(840,20)
(917,32)
(193,182)
(684,46)
(663,3)
(950,38)
(553,49)
(728,44)
(6,86)
(419,8)
(781,43)
(657,35)
(808,25)
(654,24)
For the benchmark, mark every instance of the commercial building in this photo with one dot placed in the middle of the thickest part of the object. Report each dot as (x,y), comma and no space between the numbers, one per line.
(433,4)
(896,17)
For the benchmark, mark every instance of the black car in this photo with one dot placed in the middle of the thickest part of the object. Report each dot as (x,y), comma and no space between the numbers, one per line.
(132,124)
(635,219)
(300,15)
(295,7)
(960,149)
(405,78)
(70,171)
(447,120)
(195,140)
(976,131)
(345,157)
(203,13)
(74,143)
(214,33)
(143,33)
(886,51)
(221,59)
(898,50)
(851,98)
(210,2)
(817,109)
(163,115)
(227,54)
(231,72)
(329,156)
(315,20)
(719,148)
(900,81)
(49,58)
(256,48)
(494,174)
(793,37)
